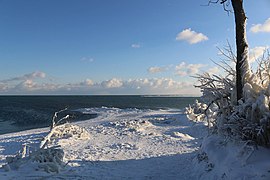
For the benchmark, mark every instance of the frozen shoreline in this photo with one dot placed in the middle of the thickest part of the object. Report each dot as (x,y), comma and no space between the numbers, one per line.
(123,144)
(140,144)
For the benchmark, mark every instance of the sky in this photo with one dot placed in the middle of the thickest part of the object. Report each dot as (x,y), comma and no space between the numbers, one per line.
(105,47)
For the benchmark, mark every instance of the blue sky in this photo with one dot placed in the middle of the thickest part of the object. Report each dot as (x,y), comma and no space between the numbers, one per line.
(117,47)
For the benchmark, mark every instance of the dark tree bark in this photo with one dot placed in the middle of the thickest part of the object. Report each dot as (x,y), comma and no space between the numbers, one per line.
(242,65)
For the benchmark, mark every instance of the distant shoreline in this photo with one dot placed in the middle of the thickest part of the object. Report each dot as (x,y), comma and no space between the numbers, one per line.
(115,95)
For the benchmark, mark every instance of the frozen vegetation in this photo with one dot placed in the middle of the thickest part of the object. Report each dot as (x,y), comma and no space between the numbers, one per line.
(249,118)
(237,146)
(223,156)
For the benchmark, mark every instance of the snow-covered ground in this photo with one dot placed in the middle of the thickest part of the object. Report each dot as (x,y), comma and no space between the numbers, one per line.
(219,158)
(139,144)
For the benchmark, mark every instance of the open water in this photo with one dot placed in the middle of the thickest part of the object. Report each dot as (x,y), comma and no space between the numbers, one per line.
(26,112)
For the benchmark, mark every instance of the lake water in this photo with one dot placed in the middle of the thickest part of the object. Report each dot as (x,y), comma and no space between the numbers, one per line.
(27,112)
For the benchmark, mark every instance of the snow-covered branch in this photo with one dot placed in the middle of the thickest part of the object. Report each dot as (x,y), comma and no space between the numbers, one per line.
(247,119)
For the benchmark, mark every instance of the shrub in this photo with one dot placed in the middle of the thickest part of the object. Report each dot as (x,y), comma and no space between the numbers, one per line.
(249,118)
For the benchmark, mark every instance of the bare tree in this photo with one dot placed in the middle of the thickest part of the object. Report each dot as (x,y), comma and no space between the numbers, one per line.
(242,65)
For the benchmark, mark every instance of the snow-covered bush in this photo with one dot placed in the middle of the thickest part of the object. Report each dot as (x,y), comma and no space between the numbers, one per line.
(49,160)
(247,119)
(60,130)
(66,130)
(196,111)
(48,157)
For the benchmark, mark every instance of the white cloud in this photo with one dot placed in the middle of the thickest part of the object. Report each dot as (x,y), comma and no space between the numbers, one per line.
(112,83)
(3,86)
(87,59)
(135,45)
(23,83)
(213,70)
(25,77)
(265,27)
(50,87)
(191,37)
(88,86)
(256,52)
(27,85)
(184,69)
(156,69)
(37,83)
(87,82)
(36,74)
(158,86)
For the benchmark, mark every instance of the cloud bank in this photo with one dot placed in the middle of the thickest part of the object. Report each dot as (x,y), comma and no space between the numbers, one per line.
(184,69)
(38,83)
(35,83)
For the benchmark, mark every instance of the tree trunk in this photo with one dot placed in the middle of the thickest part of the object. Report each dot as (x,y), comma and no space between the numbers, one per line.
(242,65)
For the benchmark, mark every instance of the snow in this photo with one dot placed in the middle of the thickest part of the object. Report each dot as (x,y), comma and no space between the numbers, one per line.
(131,144)
(223,159)
(226,157)
(119,144)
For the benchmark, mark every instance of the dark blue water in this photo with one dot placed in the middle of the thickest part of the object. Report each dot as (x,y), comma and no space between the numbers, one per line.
(26,112)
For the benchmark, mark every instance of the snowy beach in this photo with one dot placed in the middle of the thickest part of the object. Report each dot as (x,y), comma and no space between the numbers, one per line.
(122,144)
(135,144)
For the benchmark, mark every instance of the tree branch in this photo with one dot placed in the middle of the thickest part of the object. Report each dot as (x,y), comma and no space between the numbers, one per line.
(225,4)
